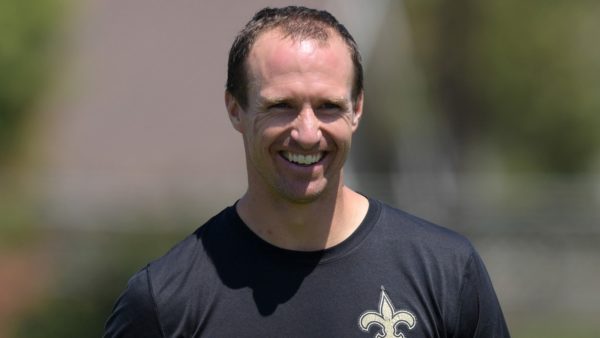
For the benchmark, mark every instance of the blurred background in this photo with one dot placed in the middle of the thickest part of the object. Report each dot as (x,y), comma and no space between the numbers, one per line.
(482,116)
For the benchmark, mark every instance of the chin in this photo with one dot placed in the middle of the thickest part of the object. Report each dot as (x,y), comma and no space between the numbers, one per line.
(303,196)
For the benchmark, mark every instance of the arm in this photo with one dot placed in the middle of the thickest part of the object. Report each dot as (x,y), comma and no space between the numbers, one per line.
(135,313)
(480,315)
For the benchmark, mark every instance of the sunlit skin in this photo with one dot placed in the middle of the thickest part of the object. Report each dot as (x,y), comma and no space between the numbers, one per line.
(297,130)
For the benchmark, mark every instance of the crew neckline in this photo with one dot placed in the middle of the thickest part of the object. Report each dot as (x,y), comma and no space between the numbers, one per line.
(338,251)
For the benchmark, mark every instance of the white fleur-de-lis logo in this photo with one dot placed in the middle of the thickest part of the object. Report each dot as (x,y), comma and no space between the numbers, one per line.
(387,318)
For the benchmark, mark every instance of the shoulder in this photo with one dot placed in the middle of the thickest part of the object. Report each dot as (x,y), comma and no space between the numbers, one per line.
(446,267)
(168,271)
(409,224)
(158,297)
(422,237)
(134,313)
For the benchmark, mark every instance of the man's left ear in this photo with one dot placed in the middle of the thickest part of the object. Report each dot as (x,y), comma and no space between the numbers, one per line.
(358,110)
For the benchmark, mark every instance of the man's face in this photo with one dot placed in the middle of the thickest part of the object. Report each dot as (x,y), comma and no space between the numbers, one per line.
(298,125)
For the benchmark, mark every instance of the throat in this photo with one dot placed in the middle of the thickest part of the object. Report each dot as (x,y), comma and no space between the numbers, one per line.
(308,227)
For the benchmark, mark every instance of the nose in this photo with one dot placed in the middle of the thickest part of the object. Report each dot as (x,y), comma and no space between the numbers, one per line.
(307,130)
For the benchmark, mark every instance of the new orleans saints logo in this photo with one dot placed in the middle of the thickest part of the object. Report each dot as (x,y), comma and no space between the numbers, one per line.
(387,318)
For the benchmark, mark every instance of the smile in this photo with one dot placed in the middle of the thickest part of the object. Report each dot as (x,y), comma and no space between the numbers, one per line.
(302,159)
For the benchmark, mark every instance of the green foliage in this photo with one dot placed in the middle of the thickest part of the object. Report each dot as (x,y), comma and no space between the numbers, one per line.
(530,67)
(522,77)
(28,37)
(16,220)
(93,270)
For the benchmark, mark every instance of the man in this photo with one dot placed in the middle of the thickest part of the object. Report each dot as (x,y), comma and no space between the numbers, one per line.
(300,254)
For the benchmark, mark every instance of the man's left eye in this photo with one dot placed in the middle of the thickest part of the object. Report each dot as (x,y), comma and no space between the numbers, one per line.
(329,106)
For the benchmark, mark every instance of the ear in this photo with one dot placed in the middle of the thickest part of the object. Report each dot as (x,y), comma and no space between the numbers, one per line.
(234,111)
(358,110)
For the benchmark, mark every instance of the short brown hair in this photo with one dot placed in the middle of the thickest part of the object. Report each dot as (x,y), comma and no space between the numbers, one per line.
(295,22)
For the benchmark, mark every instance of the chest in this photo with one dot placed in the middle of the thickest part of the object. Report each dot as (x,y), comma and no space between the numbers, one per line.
(353,298)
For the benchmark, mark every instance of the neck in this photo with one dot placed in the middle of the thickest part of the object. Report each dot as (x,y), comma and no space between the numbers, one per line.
(310,226)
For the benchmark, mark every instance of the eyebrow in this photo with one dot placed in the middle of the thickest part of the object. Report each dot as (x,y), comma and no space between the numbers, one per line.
(263,100)
(340,101)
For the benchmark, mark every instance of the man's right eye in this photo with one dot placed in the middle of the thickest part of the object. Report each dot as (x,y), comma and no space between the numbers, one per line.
(280,105)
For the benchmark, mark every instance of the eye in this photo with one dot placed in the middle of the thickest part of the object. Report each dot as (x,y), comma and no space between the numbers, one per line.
(330,107)
(280,105)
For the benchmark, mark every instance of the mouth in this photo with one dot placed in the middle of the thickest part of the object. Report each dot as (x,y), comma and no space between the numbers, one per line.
(301,159)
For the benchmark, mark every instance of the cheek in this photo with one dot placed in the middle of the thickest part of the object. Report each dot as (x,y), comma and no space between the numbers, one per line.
(262,138)
(270,128)
(341,131)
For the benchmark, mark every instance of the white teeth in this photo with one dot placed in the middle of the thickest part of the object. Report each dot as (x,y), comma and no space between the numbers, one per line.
(303,159)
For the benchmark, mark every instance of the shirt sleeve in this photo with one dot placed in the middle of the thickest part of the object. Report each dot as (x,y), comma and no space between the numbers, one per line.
(134,314)
(480,315)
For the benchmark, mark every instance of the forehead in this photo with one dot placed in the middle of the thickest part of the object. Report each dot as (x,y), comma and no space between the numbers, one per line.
(274,54)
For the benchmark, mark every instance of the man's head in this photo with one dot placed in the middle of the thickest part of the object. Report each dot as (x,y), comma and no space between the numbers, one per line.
(299,102)
(296,23)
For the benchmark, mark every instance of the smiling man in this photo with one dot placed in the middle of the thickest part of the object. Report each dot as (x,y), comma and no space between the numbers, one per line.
(297,121)
(300,254)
